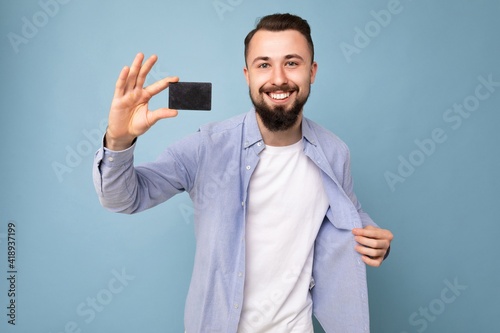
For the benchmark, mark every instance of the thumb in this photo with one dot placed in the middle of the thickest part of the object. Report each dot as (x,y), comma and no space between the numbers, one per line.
(160,113)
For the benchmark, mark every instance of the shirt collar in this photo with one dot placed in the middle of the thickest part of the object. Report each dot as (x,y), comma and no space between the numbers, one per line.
(252,133)
(307,133)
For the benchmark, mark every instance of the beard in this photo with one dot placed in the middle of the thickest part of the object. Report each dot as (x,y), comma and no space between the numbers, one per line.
(278,118)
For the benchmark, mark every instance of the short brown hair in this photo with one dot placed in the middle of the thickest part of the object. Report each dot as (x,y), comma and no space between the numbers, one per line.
(282,22)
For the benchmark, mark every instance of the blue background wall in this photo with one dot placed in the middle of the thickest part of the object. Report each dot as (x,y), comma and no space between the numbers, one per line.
(390,86)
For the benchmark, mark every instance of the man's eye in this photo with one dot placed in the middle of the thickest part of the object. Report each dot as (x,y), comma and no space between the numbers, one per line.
(264,65)
(291,64)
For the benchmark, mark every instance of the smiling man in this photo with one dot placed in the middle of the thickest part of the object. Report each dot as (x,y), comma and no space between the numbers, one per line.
(279,82)
(284,236)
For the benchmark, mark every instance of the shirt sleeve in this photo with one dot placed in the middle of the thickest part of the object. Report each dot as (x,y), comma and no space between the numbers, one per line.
(125,188)
(348,187)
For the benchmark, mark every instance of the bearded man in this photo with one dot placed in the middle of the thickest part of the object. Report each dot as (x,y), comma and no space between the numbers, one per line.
(284,237)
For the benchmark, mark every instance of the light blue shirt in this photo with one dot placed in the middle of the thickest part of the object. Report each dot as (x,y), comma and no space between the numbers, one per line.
(214,166)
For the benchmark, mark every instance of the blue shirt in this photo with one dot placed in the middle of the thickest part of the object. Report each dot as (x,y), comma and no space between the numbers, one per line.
(214,165)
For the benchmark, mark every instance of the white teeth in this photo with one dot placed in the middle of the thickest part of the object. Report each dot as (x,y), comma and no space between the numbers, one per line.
(279,96)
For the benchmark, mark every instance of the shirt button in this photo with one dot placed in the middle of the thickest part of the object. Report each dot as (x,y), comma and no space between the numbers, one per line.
(236,305)
(246,143)
(111,159)
(259,144)
(240,274)
(248,167)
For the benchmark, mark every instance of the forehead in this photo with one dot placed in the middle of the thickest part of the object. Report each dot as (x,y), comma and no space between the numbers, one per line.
(278,44)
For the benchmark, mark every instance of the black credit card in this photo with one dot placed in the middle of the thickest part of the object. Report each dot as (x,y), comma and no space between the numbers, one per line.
(190,96)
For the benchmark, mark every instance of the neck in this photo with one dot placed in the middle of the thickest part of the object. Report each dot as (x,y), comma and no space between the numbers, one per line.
(281,138)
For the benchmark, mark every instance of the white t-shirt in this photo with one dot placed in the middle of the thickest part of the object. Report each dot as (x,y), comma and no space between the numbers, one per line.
(286,206)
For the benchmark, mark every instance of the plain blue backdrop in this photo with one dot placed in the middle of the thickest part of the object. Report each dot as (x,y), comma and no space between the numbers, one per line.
(413,87)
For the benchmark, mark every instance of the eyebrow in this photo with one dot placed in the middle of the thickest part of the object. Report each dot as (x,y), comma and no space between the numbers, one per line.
(292,56)
(287,57)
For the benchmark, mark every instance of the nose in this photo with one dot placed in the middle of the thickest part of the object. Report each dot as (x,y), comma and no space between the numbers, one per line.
(279,76)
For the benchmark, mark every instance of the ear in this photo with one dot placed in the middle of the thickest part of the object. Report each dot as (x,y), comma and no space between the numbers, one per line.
(314,69)
(245,71)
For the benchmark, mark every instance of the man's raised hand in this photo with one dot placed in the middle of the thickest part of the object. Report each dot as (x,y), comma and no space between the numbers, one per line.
(129,115)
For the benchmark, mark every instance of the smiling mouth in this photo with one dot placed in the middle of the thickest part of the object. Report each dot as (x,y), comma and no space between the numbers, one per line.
(279,96)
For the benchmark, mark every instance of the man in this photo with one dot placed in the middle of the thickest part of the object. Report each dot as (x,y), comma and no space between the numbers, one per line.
(283,234)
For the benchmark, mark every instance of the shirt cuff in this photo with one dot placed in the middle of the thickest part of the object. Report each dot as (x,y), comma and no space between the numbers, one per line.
(111,158)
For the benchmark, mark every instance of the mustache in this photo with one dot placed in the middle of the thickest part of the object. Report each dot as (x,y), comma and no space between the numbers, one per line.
(283,87)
